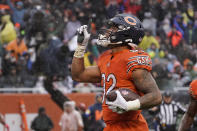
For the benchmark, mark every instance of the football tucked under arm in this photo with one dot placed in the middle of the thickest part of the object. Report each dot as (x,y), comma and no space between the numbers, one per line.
(139,65)
(122,99)
(126,93)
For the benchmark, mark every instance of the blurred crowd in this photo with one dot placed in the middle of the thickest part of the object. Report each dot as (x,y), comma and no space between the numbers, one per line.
(38,38)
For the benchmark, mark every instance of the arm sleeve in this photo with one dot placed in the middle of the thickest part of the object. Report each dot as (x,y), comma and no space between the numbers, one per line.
(138,60)
(162,117)
(66,36)
(156,43)
(154,112)
(33,124)
(181,109)
(50,123)
(79,118)
(24,47)
(9,47)
(62,124)
(11,5)
(169,34)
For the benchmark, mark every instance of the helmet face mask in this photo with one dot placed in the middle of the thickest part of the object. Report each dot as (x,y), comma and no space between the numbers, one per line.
(105,35)
(122,29)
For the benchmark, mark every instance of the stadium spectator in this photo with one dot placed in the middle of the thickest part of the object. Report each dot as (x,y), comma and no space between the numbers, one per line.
(70,30)
(89,59)
(190,70)
(149,23)
(188,14)
(166,25)
(161,73)
(12,79)
(188,35)
(42,122)
(178,23)
(112,8)
(17,12)
(175,37)
(53,52)
(132,6)
(7,31)
(179,76)
(94,48)
(153,51)
(71,119)
(2,121)
(3,5)
(82,109)
(17,47)
(95,114)
(194,39)
(148,40)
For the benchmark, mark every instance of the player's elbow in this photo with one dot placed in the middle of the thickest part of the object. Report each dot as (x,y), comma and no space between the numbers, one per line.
(75,77)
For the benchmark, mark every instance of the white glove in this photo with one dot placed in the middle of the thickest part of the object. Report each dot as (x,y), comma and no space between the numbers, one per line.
(82,38)
(116,109)
(83,35)
(121,103)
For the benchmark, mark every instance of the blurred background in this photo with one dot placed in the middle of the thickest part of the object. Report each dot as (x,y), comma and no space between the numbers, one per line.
(38,39)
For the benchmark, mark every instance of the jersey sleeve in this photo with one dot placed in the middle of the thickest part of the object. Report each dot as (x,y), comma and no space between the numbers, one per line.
(193,89)
(138,60)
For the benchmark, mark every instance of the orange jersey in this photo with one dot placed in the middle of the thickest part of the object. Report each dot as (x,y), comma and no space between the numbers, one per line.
(116,70)
(193,89)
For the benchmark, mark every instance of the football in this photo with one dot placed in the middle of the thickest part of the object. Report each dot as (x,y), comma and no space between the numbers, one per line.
(127,94)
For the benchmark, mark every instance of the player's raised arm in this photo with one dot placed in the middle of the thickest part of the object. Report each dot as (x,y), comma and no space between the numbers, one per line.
(188,117)
(78,70)
(145,83)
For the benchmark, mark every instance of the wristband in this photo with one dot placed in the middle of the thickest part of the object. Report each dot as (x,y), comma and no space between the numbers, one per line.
(133,105)
(80,51)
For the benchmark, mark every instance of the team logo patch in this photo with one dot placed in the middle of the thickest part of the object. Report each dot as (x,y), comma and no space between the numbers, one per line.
(125,92)
(130,20)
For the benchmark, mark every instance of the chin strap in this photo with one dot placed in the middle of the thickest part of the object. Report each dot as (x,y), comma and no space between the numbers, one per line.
(103,41)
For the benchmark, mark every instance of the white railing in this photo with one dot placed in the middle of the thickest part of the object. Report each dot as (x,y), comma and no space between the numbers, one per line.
(42,90)
(18,90)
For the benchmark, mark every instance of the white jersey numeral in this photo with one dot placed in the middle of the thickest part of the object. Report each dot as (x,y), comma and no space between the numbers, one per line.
(110,76)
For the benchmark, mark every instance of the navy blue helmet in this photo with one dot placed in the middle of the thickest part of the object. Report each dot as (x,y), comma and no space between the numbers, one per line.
(130,30)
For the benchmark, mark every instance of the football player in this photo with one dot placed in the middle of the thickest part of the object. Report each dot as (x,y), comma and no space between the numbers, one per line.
(188,117)
(122,66)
